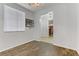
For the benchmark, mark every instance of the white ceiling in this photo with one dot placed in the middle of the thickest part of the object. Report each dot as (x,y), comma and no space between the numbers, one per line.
(26,5)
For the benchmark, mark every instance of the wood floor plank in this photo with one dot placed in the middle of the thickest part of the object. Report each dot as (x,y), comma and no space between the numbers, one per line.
(38,48)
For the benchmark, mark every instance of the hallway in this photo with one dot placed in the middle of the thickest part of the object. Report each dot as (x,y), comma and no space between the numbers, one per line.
(46,39)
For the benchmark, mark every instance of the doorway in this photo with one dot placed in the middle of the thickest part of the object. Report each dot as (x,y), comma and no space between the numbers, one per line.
(50,28)
(46,22)
(46,27)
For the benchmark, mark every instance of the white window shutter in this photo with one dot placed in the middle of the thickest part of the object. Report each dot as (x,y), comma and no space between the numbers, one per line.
(14,20)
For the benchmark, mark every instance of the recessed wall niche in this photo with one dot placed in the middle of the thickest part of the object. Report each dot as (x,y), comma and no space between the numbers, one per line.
(29,23)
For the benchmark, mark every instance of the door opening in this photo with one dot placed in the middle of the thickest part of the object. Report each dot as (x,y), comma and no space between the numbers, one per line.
(50,30)
(46,22)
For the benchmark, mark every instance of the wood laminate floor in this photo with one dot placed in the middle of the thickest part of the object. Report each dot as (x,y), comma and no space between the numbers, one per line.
(38,48)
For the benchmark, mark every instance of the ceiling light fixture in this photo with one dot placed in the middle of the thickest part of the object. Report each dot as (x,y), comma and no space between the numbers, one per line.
(35,5)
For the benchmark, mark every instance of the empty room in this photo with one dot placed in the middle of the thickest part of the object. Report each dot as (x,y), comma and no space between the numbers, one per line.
(39,29)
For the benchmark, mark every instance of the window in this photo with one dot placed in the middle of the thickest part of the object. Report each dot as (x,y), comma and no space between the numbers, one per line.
(14,20)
